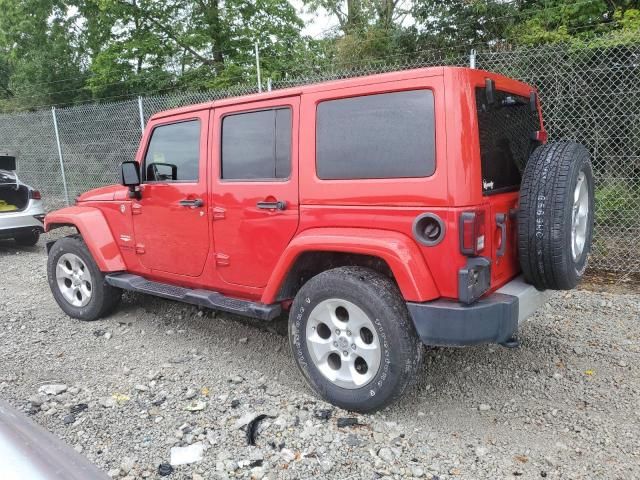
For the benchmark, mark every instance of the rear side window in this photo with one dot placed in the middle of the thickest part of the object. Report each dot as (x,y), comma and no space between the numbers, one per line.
(173,153)
(389,135)
(257,145)
(506,129)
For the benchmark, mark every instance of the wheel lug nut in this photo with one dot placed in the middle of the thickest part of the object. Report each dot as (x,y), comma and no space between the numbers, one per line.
(345,353)
(337,331)
(353,346)
(335,344)
(349,332)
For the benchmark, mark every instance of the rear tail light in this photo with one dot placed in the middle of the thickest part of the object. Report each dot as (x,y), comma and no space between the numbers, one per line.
(472,232)
(35,195)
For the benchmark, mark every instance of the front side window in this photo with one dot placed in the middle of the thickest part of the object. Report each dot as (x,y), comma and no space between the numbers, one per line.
(173,153)
(389,135)
(256,145)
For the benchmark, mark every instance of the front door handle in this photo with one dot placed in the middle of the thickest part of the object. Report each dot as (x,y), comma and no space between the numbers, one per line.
(276,205)
(501,221)
(193,203)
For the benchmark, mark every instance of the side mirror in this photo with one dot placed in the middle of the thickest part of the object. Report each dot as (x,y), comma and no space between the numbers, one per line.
(131,178)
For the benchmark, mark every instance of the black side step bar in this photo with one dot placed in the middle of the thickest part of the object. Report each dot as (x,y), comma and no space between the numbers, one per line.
(204,298)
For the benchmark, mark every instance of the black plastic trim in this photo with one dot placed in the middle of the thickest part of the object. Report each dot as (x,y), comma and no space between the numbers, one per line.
(493,319)
(490,88)
(418,235)
(474,279)
(501,222)
(11,232)
(203,298)
(533,102)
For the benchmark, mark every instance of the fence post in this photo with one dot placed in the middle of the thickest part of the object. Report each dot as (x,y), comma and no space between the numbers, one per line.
(141,112)
(258,68)
(472,59)
(64,177)
(269,84)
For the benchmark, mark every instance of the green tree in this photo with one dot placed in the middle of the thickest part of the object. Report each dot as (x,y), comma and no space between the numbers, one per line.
(203,43)
(39,60)
(369,30)
(466,23)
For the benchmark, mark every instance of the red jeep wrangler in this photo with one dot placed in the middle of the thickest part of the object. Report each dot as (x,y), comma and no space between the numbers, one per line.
(383,212)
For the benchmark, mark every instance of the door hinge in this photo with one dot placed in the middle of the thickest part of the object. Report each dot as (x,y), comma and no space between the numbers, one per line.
(218,213)
(222,259)
(139,248)
(136,209)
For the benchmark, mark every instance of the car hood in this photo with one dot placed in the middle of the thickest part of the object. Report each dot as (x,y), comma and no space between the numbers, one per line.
(104,194)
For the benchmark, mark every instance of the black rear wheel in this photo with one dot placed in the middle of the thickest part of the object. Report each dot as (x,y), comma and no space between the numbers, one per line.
(353,340)
(555,218)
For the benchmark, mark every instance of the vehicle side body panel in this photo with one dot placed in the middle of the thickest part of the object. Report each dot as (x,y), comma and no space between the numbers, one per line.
(170,237)
(363,216)
(249,239)
(399,252)
(92,225)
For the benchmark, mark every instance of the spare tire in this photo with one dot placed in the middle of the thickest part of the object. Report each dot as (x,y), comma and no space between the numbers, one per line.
(555,216)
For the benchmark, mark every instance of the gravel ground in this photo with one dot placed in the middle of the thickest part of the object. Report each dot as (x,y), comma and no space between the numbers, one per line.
(158,374)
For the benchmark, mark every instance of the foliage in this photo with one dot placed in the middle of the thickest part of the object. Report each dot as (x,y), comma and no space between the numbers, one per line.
(63,51)
(616,204)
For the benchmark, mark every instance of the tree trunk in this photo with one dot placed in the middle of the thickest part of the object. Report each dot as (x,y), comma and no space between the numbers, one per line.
(212,16)
(354,16)
(386,10)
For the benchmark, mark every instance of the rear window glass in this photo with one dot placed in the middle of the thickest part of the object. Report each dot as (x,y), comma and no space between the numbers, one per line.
(506,130)
(389,135)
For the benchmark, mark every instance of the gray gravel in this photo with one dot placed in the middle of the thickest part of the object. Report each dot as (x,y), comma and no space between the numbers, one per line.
(132,390)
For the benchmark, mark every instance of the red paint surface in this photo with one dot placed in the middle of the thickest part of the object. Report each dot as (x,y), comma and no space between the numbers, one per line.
(231,246)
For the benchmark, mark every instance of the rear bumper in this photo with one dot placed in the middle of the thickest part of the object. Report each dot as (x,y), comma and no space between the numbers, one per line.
(13,232)
(28,219)
(492,319)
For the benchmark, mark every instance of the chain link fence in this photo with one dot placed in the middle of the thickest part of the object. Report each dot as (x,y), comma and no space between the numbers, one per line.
(589,94)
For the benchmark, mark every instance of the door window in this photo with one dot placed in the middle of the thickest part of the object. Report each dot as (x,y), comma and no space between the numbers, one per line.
(256,145)
(173,154)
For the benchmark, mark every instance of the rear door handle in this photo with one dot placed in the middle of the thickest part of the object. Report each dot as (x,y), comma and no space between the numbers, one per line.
(196,202)
(277,205)
(501,221)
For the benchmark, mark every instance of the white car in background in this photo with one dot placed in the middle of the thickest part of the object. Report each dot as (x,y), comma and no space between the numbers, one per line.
(21,209)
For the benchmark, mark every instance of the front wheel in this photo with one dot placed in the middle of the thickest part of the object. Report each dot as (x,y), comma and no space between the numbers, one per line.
(353,340)
(77,283)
